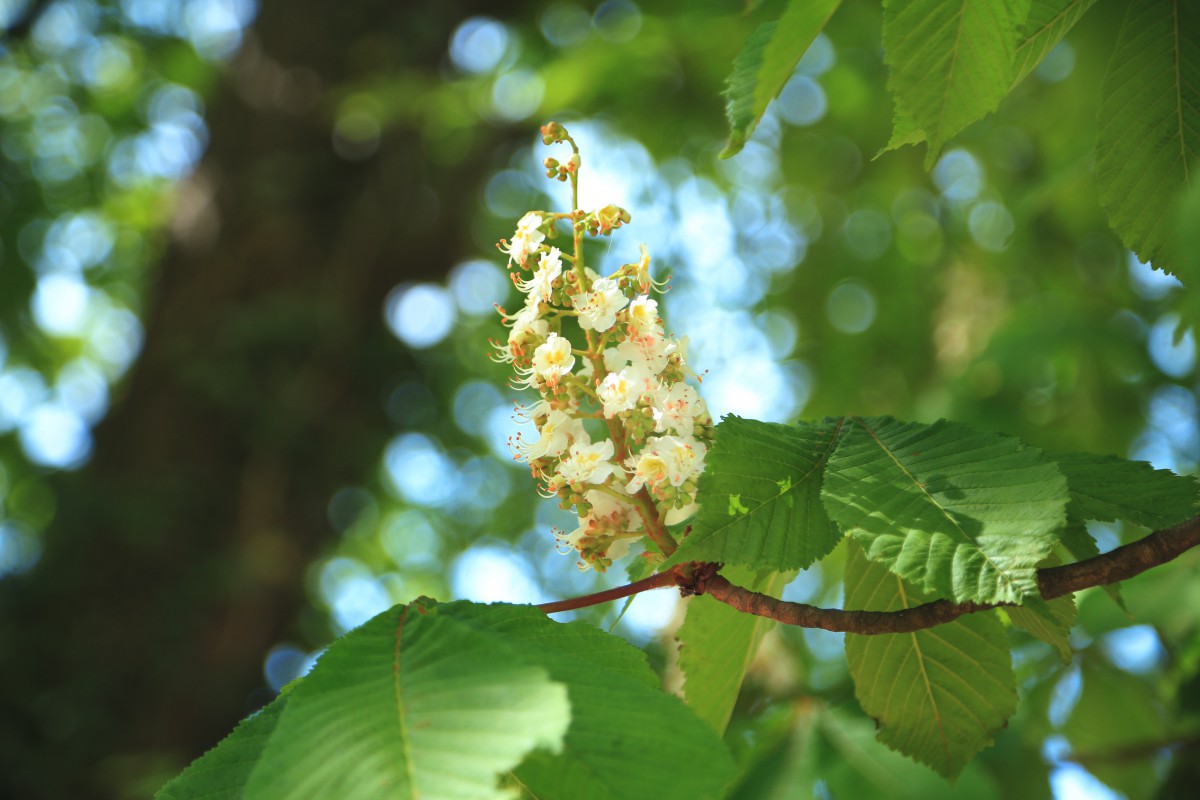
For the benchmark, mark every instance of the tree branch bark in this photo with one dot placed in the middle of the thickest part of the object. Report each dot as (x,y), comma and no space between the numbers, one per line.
(1116,565)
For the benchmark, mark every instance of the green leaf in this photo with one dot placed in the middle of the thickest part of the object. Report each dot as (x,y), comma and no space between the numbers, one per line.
(760,497)
(965,514)
(1149,122)
(950,61)
(938,695)
(1048,22)
(765,64)
(1052,623)
(905,131)
(717,644)
(1107,488)
(627,738)
(832,752)
(222,772)
(415,703)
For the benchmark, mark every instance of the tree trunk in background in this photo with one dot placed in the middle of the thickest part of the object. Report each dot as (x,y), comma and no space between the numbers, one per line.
(178,554)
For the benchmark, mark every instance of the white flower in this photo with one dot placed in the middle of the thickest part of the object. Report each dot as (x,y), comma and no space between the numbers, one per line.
(610,518)
(647,353)
(677,408)
(540,286)
(526,240)
(649,469)
(666,460)
(598,308)
(558,431)
(527,326)
(642,318)
(641,274)
(620,391)
(553,359)
(588,463)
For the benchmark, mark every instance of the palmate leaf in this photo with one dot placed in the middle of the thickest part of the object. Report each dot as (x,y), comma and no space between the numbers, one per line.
(414,703)
(962,513)
(759,497)
(441,701)
(627,738)
(765,64)
(1108,488)
(1149,136)
(939,694)
(950,62)
(717,644)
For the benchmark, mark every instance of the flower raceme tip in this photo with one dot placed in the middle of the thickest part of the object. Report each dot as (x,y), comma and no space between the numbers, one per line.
(621,435)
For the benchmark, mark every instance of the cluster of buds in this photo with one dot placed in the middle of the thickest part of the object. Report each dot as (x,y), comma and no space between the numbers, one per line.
(621,434)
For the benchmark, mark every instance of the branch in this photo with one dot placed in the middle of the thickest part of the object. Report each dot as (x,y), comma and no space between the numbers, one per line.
(1116,565)
(702,578)
(656,581)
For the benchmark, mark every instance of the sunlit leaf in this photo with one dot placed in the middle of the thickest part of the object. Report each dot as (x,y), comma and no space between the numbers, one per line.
(760,496)
(626,734)
(1149,135)
(415,703)
(766,62)
(1048,22)
(950,61)
(940,694)
(717,644)
(962,513)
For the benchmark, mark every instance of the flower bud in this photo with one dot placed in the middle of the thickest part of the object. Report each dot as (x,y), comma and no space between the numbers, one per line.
(553,132)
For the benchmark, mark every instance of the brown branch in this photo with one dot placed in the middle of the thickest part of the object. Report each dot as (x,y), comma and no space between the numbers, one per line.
(657,581)
(701,578)
(1119,564)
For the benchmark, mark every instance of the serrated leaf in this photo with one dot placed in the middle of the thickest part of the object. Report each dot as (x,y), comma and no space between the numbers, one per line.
(905,131)
(717,644)
(1052,623)
(759,497)
(625,734)
(221,773)
(940,694)
(962,513)
(1149,136)
(414,703)
(1048,22)
(765,64)
(950,60)
(1108,488)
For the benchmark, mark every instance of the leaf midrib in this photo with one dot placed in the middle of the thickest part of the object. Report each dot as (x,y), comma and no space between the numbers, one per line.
(921,487)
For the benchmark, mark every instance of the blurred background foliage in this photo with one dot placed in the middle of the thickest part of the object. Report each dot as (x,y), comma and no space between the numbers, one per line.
(247,280)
